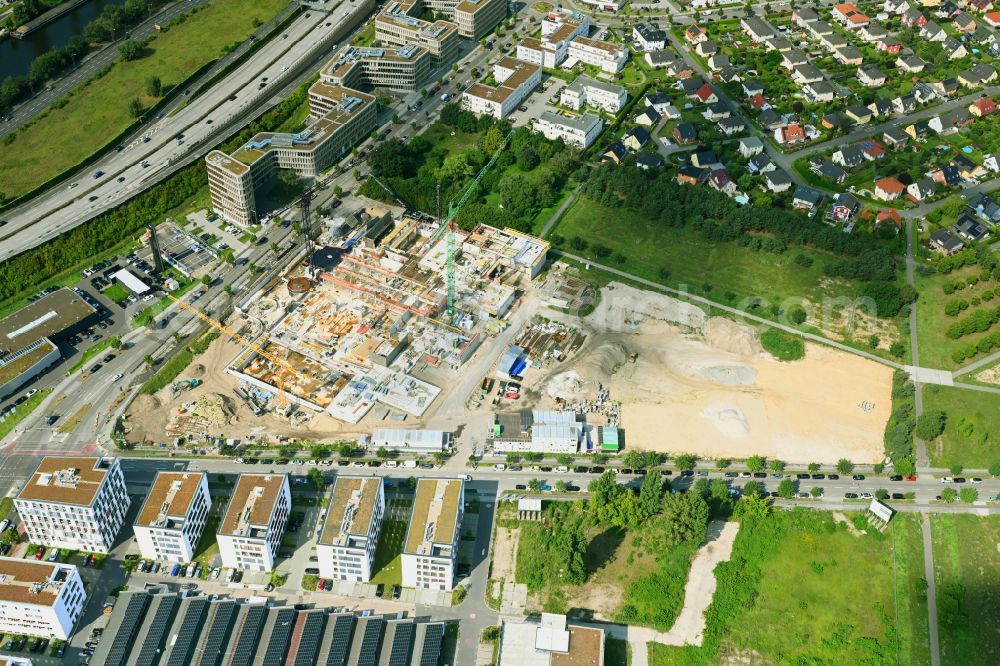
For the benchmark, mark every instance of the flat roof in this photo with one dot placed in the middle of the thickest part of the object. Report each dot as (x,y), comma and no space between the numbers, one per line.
(131,282)
(434,519)
(351,509)
(220,160)
(12,365)
(522,72)
(253,503)
(27,581)
(586,646)
(170,496)
(608,47)
(584,123)
(66,480)
(50,314)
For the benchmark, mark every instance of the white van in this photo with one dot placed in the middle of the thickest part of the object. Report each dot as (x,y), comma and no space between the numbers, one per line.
(391,463)
(409,464)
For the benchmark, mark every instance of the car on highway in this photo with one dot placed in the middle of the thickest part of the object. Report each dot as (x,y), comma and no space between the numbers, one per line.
(858,477)
(98,174)
(121,179)
(52,419)
(92,198)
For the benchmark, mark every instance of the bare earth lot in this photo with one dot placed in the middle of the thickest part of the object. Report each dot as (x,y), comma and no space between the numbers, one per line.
(705,387)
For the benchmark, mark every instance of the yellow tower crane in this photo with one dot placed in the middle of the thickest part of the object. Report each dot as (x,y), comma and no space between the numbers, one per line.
(236,337)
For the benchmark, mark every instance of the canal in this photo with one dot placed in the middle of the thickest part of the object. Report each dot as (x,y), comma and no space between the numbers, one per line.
(16,55)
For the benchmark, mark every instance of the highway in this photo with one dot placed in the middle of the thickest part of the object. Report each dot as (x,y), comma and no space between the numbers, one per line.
(174,138)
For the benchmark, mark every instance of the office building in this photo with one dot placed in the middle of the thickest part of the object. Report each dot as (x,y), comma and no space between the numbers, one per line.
(39,598)
(537,431)
(339,118)
(581,131)
(549,641)
(559,28)
(173,516)
(430,549)
(75,503)
(515,81)
(398,25)
(347,540)
(27,336)
(404,68)
(254,521)
(585,91)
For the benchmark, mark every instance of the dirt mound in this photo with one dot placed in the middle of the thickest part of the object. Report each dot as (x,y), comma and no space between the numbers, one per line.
(728,419)
(606,360)
(197,370)
(731,336)
(567,386)
(144,403)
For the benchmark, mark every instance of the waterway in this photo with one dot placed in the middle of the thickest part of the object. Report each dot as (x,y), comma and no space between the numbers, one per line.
(16,55)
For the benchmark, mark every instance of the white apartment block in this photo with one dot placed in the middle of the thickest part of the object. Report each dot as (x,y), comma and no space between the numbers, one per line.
(173,517)
(255,521)
(430,549)
(554,21)
(609,57)
(346,544)
(75,503)
(585,91)
(581,131)
(559,28)
(39,598)
(648,37)
(515,80)
(542,53)
(536,431)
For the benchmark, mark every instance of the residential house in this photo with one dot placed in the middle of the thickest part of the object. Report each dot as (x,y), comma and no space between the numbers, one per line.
(844,208)
(859,114)
(905,104)
(983,35)
(945,242)
(992,19)
(888,189)
(770,119)
(695,34)
(706,49)
(981,5)
(889,45)
(706,94)
(752,87)
(647,37)
(881,107)
(913,18)
(849,16)
(819,29)
(750,146)
(761,163)
(848,55)
(820,91)
(671,113)
(793,133)
(792,59)
(658,102)
(777,181)
(756,28)
(945,87)
(871,149)
(890,216)
(985,208)
(647,117)
(704,158)
(690,86)
(954,48)
(829,170)
(615,153)
(731,125)
(895,137)
(649,161)
(690,174)
(679,69)
(963,22)
(659,59)
(946,175)
(635,138)
(833,41)
(919,130)
(873,32)
(871,76)
(806,198)
(910,63)
(992,162)
(970,229)
(921,189)
(718,61)
(848,157)
(758,103)
(779,44)
(806,73)
(977,76)
(803,16)
(925,93)
(968,169)
(932,32)
(946,9)
(685,134)
(983,107)
(835,120)
(896,7)
(721,180)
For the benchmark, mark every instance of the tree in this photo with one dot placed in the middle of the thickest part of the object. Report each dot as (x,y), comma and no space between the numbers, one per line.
(753,488)
(565,459)
(130,50)
(383,453)
(969,495)
(995,468)
(148,359)
(897,349)
(797,315)
(438,457)
(955,469)
(651,493)
(752,507)
(604,490)
(786,489)
(948,495)
(684,519)
(560,486)
(816,491)
(723,463)
(685,461)
(755,463)
(633,459)
(115,342)
(534,485)
(318,451)
(878,467)
(882,494)
(135,108)
(228,289)
(493,140)
(777,465)
(512,458)
(813,467)
(315,478)
(154,86)
(274,247)
(206,280)
(931,424)
(345,449)
(288,450)
(845,466)
(905,466)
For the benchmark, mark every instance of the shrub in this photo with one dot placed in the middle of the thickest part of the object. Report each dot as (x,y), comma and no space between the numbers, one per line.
(782,346)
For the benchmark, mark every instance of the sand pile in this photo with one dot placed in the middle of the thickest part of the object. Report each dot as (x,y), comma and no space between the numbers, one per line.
(567,385)
(730,420)
(624,308)
(213,409)
(731,336)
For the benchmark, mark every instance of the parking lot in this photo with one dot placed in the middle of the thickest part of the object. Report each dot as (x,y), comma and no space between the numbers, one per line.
(190,255)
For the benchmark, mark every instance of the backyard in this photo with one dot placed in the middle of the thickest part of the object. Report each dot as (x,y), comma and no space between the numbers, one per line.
(98,111)
(967,574)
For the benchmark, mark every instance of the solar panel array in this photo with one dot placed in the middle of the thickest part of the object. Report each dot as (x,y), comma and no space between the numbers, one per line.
(340,640)
(402,641)
(276,648)
(155,629)
(430,647)
(212,642)
(309,640)
(250,619)
(135,608)
(366,652)
(187,627)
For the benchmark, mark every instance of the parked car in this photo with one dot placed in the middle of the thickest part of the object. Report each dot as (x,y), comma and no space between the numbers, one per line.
(40,552)
(379,589)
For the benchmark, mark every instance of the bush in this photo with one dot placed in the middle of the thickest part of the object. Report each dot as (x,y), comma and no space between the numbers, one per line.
(930,425)
(782,346)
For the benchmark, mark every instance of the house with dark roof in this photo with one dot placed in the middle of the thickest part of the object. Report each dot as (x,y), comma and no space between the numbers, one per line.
(894,137)
(761,163)
(721,180)
(921,189)
(848,157)
(704,158)
(882,106)
(615,153)
(843,208)
(635,138)
(685,134)
(970,229)
(806,198)
(690,174)
(777,181)
(649,161)
(945,242)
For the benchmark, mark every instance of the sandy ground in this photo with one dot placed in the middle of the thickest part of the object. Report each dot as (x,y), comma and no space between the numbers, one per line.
(505,552)
(703,386)
(689,627)
(841,518)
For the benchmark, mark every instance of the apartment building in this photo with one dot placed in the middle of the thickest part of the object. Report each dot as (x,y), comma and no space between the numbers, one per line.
(581,131)
(75,503)
(403,68)
(585,91)
(647,37)
(39,598)
(173,516)
(254,522)
(347,540)
(515,79)
(398,25)
(340,118)
(431,545)
(609,57)
(559,28)
(542,53)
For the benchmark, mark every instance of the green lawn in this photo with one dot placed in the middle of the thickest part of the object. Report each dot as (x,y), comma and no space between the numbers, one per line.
(692,261)
(935,347)
(208,547)
(388,566)
(971,431)
(116,292)
(23,411)
(801,589)
(98,111)
(967,574)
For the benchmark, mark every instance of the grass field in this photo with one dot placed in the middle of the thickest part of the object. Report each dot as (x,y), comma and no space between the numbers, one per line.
(801,589)
(23,411)
(116,292)
(967,573)
(388,564)
(98,110)
(971,431)
(692,261)
(208,547)
(935,347)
